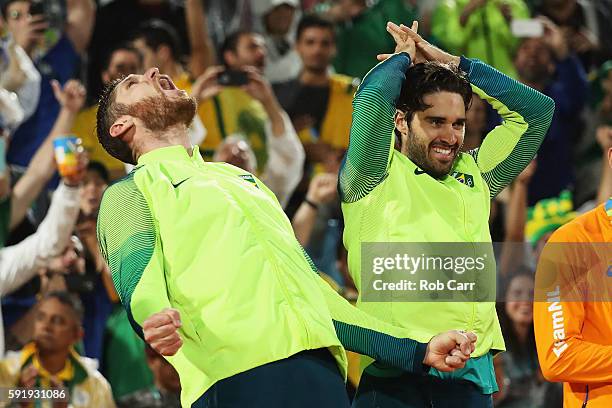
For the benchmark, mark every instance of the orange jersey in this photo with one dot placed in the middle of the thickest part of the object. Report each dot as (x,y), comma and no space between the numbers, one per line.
(573,309)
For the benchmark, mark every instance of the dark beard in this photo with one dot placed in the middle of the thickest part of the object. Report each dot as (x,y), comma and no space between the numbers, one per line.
(417,152)
(159,113)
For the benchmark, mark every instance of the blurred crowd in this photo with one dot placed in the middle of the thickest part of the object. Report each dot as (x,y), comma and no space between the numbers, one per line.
(274,81)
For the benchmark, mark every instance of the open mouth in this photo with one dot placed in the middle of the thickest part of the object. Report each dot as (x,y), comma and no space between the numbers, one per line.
(443,153)
(166,83)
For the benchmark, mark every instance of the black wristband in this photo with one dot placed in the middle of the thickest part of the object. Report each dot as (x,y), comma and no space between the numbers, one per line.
(310,203)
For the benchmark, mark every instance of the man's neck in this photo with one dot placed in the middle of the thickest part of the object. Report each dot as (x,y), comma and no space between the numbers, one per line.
(53,362)
(314,78)
(173,136)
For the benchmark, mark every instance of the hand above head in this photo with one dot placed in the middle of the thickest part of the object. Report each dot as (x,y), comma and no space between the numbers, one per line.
(403,41)
(449,351)
(71,97)
(206,86)
(424,50)
(161,332)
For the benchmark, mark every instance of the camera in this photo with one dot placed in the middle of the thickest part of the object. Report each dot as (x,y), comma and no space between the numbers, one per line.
(233,78)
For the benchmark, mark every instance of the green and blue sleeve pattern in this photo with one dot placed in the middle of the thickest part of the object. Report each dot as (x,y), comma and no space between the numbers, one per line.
(126,236)
(364,334)
(371,138)
(526,115)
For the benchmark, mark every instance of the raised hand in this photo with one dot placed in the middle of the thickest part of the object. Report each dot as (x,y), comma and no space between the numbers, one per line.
(206,85)
(30,31)
(161,332)
(258,87)
(76,177)
(426,51)
(72,97)
(449,351)
(403,41)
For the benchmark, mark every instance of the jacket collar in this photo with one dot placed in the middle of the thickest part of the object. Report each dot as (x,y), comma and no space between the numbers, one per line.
(170,153)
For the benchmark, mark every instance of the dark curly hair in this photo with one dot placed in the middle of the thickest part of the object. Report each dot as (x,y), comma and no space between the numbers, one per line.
(431,77)
(108,112)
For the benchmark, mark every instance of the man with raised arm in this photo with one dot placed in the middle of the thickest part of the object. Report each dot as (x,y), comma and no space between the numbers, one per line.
(430,192)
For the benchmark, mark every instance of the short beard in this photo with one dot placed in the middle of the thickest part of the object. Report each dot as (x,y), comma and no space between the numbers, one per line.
(418,153)
(159,113)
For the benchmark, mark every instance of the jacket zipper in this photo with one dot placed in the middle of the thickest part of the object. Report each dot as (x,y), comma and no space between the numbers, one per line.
(255,225)
(473,317)
(586,397)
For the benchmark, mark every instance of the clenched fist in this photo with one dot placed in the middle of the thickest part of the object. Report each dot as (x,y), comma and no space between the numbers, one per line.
(161,332)
(449,351)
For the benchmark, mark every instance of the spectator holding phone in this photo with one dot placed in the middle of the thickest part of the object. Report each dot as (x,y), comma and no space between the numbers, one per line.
(58,61)
(585,26)
(236,100)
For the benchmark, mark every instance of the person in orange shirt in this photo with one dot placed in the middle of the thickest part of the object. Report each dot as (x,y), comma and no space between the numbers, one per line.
(573,306)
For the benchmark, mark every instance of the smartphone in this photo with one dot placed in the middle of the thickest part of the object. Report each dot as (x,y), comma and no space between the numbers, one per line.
(528,28)
(233,78)
(36,8)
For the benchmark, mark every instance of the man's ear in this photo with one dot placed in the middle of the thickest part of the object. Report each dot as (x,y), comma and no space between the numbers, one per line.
(401,123)
(121,126)
(610,157)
